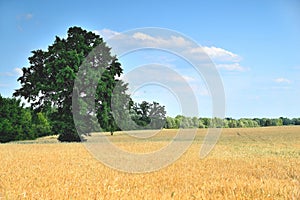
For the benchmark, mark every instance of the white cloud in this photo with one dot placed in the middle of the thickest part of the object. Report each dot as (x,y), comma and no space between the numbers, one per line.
(106,33)
(18,71)
(220,54)
(282,80)
(142,36)
(223,59)
(188,78)
(22,19)
(28,16)
(217,54)
(172,41)
(231,67)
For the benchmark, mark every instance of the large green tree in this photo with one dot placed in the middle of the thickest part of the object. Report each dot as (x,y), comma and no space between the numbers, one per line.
(49,80)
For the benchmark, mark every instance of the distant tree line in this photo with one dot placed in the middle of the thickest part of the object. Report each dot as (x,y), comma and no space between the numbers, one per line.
(193,122)
(18,122)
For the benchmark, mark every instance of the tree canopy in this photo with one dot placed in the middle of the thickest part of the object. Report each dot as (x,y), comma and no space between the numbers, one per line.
(51,83)
(49,79)
(149,115)
(19,123)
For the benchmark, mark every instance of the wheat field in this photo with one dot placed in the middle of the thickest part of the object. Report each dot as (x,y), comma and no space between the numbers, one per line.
(249,163)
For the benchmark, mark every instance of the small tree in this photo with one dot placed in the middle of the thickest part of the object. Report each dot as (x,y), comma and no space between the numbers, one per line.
(41,125)
(149,115)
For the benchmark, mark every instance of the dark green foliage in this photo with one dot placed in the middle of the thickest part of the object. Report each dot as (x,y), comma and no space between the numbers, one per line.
(15,121)
(148,115)
(285,121)
(49,80)
(296,121)
(49,83)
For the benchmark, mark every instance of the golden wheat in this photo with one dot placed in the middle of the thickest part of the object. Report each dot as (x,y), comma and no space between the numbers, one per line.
(254,163)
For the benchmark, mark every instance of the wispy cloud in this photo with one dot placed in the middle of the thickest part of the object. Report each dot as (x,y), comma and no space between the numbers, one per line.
(188,78)
(22,19)
(28,16)
(223,58)
(172,41)
(18,71)
(25,17)
(106,33)
(231,67)
(14,72)
(219,54)
(282,80)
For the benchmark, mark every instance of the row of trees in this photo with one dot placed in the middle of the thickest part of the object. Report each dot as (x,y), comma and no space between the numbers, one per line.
(193,122)
(19,123)
(23,123)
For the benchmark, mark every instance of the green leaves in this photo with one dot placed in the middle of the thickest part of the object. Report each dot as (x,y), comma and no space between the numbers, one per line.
(41,125)
(15,121)
(149,115)
(49,80)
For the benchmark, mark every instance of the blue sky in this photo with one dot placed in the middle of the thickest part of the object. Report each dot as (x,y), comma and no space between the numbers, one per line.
(255,45)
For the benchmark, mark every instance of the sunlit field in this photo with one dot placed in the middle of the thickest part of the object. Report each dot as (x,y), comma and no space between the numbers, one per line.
(249,163)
